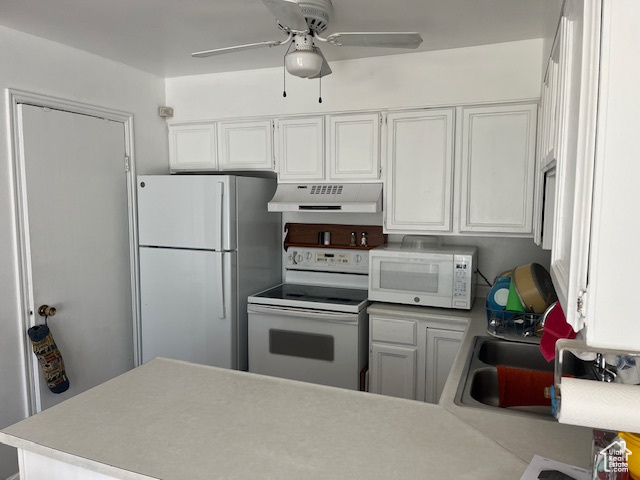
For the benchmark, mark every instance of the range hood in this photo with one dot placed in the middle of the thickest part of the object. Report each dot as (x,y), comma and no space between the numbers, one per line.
(322,197)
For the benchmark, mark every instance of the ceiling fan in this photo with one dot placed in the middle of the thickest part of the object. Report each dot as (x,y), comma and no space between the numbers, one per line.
(303,21)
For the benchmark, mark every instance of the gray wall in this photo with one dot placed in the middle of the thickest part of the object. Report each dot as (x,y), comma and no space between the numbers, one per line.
(35,65)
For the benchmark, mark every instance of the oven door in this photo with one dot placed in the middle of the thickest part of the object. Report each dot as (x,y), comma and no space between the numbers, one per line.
(411,278)
(314,346)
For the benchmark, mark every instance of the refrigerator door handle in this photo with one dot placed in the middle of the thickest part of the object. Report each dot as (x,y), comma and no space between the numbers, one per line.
(219,206)
(220,287)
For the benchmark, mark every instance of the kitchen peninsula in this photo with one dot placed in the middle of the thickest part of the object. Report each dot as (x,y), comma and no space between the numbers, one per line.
(173,420)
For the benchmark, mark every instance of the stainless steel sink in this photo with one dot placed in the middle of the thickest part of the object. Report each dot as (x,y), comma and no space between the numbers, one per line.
(524,355)
(479,382)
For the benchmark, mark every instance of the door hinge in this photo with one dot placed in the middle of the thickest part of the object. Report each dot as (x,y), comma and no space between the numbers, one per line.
(581,303)
(127,163)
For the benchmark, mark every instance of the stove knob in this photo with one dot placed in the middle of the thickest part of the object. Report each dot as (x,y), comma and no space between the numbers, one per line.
(298,259)
(358,258)
(309,255)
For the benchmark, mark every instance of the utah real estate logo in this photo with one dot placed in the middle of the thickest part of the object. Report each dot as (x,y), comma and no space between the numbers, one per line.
(615,457)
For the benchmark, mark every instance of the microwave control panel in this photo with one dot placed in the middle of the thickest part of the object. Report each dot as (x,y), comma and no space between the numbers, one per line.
(327,260)
(462,279)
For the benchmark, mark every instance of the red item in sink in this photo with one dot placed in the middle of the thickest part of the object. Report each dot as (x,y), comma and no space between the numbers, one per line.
(520,387)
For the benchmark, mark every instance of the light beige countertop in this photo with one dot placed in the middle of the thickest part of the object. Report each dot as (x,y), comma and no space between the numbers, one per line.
(173,420)
(177,421)
(522,435)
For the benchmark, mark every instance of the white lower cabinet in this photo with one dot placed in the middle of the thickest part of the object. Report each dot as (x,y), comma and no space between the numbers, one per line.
(412,350)
(441,350)
(395,370)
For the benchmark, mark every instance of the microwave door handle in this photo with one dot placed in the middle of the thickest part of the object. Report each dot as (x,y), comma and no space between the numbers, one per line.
(334,317)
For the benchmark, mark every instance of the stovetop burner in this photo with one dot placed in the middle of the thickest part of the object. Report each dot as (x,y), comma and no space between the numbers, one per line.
(313,296)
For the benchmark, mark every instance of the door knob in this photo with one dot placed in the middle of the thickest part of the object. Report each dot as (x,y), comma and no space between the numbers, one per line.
(46,311)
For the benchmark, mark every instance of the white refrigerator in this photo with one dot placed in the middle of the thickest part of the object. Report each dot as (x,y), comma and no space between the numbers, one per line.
(206,243)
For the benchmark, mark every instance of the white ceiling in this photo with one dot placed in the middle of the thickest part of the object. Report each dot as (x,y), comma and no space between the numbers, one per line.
(158,35)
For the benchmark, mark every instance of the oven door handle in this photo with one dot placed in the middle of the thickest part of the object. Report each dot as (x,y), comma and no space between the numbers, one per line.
(303,313)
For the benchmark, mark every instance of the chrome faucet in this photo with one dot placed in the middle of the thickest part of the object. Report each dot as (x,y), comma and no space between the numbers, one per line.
(603,373)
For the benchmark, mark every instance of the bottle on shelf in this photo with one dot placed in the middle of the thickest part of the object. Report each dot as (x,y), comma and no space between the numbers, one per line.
(363,239)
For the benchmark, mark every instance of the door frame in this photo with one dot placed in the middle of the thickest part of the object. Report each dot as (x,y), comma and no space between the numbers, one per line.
(26,313)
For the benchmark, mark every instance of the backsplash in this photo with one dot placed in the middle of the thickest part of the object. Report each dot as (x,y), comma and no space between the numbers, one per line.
(496,254)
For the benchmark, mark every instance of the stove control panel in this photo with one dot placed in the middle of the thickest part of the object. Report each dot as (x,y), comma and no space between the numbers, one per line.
(327,260)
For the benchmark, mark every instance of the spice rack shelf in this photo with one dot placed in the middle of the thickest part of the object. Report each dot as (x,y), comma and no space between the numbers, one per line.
(306,235)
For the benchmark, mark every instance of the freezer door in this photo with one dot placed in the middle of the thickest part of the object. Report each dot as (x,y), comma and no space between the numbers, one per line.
(187,211)
(187,306)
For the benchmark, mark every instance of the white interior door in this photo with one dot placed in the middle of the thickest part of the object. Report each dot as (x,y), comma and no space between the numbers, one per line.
(75,201)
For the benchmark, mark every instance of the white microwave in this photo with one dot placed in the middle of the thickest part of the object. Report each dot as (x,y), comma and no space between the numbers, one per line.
(441,276)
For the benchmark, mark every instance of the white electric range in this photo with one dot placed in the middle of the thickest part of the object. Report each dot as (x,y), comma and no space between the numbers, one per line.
(311,328)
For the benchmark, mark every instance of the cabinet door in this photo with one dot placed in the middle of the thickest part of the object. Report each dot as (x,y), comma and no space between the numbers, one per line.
(497,169)
(353,145)
(393,371)
(301,149)
(192,147)
(441,350)
(419,171)
(245,145)
(546,150)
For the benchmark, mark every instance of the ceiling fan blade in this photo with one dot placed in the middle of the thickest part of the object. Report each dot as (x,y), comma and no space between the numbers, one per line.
(289,14)
(376,39)
(326,69)
(237,48)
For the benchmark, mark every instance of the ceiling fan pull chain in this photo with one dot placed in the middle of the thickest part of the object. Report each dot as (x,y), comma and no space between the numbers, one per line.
(320,97)
(284,82)
(284,71)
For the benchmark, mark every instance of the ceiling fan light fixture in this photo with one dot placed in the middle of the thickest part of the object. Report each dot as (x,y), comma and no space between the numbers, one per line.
(303,63)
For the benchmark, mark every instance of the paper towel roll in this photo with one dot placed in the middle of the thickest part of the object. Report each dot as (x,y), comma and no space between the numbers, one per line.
(611,406)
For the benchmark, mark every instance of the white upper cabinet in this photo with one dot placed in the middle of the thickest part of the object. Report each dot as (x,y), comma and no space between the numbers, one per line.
(348,150)
(573,138)
(245,145)
(192,147)
(353,147)
(498,169)
(301,149)
(596,173)
(419,171)
(615,222)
